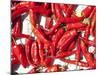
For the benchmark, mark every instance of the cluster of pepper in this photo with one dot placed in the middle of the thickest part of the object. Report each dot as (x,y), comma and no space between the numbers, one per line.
(64,34)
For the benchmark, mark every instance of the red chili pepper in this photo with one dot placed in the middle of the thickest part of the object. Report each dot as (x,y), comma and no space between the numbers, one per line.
(20,54)
(87,55)
(93,24)
(20,35)
(53,8)
(92,13)
(65,54)
(48,61)
(16,26)
(35,53)
(70,20)
(64,8)
(28,44)
(66,39)
(86,12)
(48,23)
(41,51)
(75,25)
(46,5)
(56,37)
(87,32)
(58,11)
(70,10)
(72,45)
(89,42)
(78,52)
(40,35)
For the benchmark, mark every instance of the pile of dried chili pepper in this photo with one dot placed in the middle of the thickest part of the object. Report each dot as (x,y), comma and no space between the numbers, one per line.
(65,33)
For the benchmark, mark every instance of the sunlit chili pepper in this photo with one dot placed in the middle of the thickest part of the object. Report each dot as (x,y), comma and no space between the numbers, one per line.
(20,54)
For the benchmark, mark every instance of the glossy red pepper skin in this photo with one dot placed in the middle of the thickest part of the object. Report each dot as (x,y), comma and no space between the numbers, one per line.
(64,8)
(20,35)
(17,26)
(58,11)
(48,61)
(70,10)
(66,39)
(65,54)
(52,30)
(28,44)
(78,52)
(87,55)
(48,23)
(35,53)
(92,13)
(41,51)
(72,45)
(75,25)
(93,25)
(56,37)
(20,54)
(86,12)
(40,35)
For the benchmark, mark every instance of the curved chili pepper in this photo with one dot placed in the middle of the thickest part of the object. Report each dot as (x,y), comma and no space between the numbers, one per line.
(39,34)
(86,12)
(87,55)
(41,51)
(35,53)
(66,39)
(75,25)
(56,37)
(28,44)
(65,54)
(20,54)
